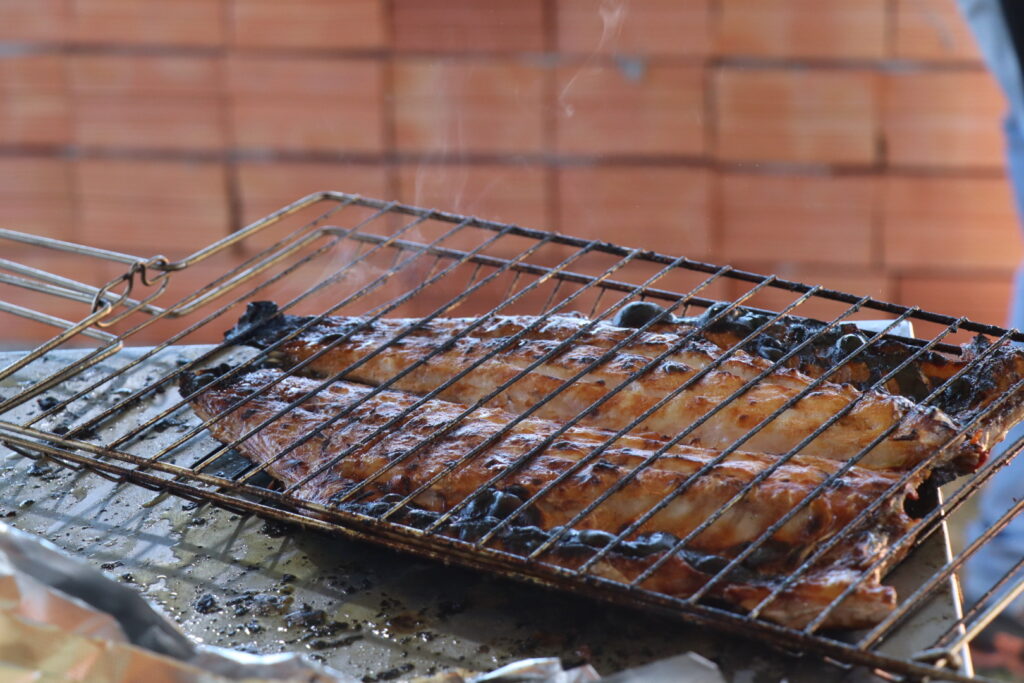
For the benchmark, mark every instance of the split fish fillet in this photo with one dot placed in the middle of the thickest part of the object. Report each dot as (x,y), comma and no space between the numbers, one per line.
(341,343)
(377,470)
(917,373)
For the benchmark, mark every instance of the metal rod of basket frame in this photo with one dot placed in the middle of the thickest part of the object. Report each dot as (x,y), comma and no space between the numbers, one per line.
(978,619)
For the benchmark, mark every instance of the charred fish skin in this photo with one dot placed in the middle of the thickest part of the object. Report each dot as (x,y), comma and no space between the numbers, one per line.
(826,347)
(680,574)
(331,345)
(261,325)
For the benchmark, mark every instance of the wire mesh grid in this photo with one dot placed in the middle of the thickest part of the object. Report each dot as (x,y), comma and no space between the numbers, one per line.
(334,255)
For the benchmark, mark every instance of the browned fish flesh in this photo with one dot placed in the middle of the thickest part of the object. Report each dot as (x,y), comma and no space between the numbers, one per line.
(370,352)
(348,465)
(985,374)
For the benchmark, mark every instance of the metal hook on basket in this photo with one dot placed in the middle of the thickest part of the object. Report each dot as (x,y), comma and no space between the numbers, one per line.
(161,264)
(140,268)
(99,299)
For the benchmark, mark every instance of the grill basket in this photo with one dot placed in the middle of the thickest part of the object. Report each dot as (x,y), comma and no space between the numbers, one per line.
(339,254)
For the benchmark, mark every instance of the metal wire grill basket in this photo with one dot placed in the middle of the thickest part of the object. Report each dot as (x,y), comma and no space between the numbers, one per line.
(335,254)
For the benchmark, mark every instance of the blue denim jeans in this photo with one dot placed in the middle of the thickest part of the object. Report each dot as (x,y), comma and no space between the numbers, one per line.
(1005,549)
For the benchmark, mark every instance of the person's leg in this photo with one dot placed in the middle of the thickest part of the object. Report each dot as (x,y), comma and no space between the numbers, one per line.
(1014,129)
(994,31)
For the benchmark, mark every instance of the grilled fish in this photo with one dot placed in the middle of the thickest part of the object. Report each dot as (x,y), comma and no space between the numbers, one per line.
(348,465)
(336,344)
(965,399)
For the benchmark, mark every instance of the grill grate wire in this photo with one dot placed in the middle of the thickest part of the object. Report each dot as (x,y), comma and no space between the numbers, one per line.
(379,235)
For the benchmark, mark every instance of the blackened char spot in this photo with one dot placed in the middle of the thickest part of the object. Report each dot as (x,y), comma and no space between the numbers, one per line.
(639,313)
(191,382)
(926,501)
(262,324)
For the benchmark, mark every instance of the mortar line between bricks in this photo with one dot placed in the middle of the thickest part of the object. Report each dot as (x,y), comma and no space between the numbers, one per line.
(9,49)
(551,174)
(72,176)
(232,185)
(389,104)
(753,167)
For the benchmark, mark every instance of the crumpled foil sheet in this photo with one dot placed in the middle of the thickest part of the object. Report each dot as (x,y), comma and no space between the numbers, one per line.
(62,620)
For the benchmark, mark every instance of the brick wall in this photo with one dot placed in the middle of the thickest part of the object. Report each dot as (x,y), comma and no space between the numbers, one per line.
(851,143)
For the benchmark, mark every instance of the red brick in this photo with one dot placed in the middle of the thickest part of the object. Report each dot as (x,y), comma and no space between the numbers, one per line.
(33,20)
(466,25)
(182,22)
(317,24)
(145,207)
(512,194)
(659,110)
(947,222)
(33,101)
(47,217)
(148,102)
(652,27)
(32,73)
(35,197)
(857,281)
(848,29)
(149,180)
(796,115)
(947,119)
(267,187)
(303,77)
(981,298)
(307,104)
(34,177)
(933,30)
(34,119)
(132,75)
(665,209)
(457,107)
(149,123)
(797,219)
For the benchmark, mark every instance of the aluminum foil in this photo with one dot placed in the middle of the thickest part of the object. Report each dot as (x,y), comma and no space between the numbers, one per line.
(62,620)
